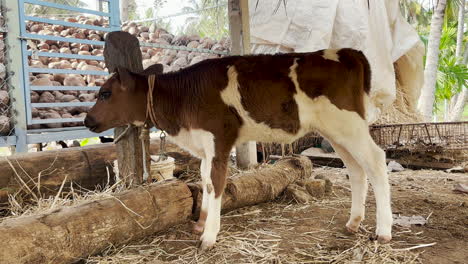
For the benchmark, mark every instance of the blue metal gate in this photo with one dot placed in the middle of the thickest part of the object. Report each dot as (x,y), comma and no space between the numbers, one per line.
(24,135)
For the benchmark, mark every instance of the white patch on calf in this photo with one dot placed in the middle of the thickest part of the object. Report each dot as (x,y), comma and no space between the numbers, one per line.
(251,130)
(138,123)
(349,130)
(193,141)
(331,54)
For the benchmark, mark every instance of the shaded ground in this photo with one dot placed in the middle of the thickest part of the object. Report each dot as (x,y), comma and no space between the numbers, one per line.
(286,232)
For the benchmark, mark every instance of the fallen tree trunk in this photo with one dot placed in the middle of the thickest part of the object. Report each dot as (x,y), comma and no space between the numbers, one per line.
(68,234)
(258,186)
(88,167)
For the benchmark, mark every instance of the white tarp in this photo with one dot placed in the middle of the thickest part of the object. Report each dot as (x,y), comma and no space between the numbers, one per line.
(376,27)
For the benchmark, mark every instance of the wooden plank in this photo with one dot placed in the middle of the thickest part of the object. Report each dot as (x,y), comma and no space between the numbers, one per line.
(238,12)
(123,49)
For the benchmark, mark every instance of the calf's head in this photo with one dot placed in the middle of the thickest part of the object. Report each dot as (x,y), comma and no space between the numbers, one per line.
(120,101)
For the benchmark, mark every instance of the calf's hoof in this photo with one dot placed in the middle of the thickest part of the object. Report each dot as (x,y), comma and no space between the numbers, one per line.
(384,239)
(198,227)
(352,228)
(205,244)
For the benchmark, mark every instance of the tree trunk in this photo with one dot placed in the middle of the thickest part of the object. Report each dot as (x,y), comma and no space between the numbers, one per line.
(426,101)
(67,234)
(457,111)
(87,167)
(457,103)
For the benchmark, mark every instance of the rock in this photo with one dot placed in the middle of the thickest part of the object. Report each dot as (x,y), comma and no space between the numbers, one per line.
(181,62)
(34,97)
(42,82)
(4,125)
(196,59)
(74,80)
(4,99)
(394,166)
(86,97)
(67,98)
(46,97)
(2,71)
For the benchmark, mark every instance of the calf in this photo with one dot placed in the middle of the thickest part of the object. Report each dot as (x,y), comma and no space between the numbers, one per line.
(211,106)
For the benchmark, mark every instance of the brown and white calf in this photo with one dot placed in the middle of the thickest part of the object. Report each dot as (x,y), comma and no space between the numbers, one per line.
(211,106)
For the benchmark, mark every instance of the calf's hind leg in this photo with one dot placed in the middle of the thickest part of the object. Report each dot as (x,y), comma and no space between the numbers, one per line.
(348,130)
(358,181)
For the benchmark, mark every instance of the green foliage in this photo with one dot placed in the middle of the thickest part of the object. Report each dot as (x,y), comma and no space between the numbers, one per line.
(212,23)
(451,77)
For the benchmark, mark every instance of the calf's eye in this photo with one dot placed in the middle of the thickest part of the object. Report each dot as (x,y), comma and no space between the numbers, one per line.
(104,95)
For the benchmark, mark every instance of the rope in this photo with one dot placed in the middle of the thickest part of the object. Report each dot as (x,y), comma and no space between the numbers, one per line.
(144,135)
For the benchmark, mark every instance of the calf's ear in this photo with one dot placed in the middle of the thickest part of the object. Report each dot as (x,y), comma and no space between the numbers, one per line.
(154,69)
(126,78)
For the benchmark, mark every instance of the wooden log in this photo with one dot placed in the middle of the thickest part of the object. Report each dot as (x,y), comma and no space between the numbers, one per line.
(123,49)
(68,234)
(258,186)
(88,167)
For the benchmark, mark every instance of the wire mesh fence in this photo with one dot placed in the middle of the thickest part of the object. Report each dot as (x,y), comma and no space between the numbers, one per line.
(5,102)
(448,136)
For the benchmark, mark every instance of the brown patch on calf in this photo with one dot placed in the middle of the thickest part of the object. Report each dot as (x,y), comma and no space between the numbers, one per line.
(265,79)
(344,83)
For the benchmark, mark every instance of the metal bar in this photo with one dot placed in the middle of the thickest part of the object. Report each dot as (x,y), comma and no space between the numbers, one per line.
(55,38)
(7,141)
(67,55)
(64,88)
(56,120)
(163,46)
(67,7)
(65,23)
(16,81)
(114,19)
(43,70)
(58,129)
(70,104)
(65,135)
(428,134)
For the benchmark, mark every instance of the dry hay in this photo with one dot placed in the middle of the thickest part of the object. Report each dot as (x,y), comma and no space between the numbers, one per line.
(409,79)
(280,232)
(262,234)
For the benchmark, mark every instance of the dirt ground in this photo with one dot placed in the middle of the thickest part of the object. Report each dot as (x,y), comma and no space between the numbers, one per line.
(287,232)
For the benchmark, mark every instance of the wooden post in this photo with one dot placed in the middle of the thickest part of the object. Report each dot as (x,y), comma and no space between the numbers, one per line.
(123,49)
(238,10)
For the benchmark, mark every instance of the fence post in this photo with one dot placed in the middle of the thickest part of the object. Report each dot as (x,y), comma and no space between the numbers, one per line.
(15,71)
(123,49)
(238,12)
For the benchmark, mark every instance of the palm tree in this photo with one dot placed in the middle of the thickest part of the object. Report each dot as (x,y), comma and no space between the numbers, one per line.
(427,98)
(458,101)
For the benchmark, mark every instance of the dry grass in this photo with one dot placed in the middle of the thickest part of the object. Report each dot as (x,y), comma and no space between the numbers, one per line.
(267,233)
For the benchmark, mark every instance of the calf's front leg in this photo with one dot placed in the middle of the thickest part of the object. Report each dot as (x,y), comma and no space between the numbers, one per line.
(214,190)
